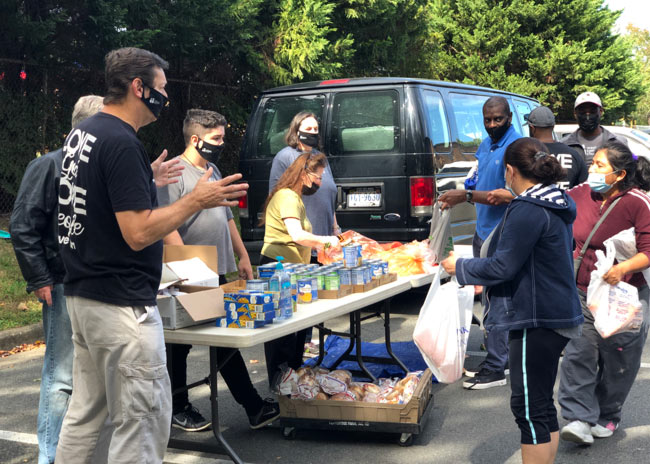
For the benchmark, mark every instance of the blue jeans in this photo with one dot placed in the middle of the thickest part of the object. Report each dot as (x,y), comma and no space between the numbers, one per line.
(56,377)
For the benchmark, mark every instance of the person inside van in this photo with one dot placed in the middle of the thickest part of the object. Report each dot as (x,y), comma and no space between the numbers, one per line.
(288,233)
(528,274)
(303,137)
(490,197)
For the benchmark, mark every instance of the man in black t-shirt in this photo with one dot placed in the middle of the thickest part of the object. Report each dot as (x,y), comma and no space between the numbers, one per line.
(541,122)
(110,232)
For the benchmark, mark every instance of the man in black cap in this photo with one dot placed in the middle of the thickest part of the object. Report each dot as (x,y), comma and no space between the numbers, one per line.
(590,135)
(541,122)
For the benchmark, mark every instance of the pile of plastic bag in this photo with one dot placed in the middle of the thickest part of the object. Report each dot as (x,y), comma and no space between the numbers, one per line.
(403,259)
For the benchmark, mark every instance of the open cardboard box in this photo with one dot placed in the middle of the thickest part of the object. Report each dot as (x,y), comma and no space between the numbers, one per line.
(201,302)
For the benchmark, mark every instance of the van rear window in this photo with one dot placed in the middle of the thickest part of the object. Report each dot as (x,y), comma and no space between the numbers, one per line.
(277,114)
(365,122)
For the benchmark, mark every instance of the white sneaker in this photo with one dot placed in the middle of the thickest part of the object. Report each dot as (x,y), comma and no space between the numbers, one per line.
(606,431)
(577,432)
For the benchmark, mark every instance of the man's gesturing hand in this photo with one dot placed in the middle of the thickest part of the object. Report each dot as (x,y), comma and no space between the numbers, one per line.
(210,194)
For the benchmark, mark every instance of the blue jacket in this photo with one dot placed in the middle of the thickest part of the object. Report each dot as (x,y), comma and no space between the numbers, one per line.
(529,269)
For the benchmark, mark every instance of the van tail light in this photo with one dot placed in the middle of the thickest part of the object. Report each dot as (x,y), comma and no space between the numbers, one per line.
(243,206)
(422,196)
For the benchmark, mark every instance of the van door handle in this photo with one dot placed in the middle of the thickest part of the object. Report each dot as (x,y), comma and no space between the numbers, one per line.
(392,217)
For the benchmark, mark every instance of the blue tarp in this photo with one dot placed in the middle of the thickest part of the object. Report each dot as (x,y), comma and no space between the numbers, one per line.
(407,352)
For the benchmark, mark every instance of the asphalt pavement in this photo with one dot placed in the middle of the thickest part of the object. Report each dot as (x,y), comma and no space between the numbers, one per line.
(462,427)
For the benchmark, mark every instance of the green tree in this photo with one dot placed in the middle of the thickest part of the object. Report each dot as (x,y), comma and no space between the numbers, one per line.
(549,49)
(640,40)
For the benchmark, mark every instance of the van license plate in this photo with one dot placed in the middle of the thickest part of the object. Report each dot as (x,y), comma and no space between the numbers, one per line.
(364,200)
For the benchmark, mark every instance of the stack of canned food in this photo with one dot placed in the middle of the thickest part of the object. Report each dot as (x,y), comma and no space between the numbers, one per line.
(308,279)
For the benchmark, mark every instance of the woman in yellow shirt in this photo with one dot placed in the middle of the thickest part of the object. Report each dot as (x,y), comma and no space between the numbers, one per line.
(287,230)
(288,234)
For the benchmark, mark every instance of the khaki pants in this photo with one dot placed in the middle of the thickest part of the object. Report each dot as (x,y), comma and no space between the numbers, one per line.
(119,372)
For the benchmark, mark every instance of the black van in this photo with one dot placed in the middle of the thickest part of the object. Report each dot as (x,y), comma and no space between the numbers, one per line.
(394,144)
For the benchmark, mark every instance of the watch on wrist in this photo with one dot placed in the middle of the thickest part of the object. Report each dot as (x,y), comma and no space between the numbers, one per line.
(469,195)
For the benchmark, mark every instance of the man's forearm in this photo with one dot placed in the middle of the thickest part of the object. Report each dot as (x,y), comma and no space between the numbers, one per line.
(141,229)
(237,244)
(480,196)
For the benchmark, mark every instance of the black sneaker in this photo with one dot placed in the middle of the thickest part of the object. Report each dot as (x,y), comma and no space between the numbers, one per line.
(472,372)
(270,411)
(485,378)
(190,420)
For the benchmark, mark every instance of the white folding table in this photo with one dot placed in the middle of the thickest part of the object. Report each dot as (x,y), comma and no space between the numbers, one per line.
(307,315)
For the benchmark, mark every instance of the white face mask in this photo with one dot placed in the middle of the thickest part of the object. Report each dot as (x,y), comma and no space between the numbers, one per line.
(508,187)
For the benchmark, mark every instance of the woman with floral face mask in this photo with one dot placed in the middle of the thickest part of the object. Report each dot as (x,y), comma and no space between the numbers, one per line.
(597,373)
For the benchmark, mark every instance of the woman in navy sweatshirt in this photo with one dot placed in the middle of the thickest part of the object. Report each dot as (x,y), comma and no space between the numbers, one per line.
(530,290)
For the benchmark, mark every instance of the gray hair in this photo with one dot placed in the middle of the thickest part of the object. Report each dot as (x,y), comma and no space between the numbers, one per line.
(86,107)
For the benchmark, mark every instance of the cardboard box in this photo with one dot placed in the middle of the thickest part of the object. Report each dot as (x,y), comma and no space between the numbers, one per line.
(197,306)
(364,288)
(191,264)
(409,413)
(344,290)
(387,278)
(203,300)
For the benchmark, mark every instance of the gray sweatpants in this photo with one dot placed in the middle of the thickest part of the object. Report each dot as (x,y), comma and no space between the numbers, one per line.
(597,373)
(119,373)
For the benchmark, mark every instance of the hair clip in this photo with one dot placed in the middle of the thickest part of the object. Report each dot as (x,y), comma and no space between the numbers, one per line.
(635,157)
(540,154)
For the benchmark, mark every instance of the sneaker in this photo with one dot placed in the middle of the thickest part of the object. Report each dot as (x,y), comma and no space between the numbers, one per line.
(485,378)
(471,373)
(270,411)
(599,431)
(190,420)
(577,432)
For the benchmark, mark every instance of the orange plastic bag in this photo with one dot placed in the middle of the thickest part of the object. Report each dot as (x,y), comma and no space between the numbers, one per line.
(410,258)
(369,247)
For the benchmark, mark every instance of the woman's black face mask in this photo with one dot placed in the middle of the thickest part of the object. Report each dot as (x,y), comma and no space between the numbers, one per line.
(307,138)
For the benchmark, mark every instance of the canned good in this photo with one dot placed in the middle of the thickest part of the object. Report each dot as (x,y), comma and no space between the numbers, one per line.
(357,276)
(257,285)
(351,256)
(344,276)
(376,270)
(384,267)
(304,291)
(314,288)
(367,274)
(332,281)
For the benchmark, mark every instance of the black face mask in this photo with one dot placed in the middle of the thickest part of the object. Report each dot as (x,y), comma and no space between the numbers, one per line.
(307,138)
(588,122)
(209,151)
(311,189)
(156,101)
(496,133)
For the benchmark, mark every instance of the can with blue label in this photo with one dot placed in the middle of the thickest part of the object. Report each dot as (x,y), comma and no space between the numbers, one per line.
(351,256)
(344,276)
(257,285)
(304,290)
(375,270)
(357,276)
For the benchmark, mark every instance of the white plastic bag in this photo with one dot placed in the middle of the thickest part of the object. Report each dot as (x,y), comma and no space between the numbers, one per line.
(440,239)
(625,245)
(442,329)
(616,308)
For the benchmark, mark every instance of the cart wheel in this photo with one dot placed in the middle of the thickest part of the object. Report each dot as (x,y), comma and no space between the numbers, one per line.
(289,433)
(406,439)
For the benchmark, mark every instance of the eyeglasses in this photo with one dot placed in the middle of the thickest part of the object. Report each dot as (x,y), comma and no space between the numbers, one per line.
(315,175)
